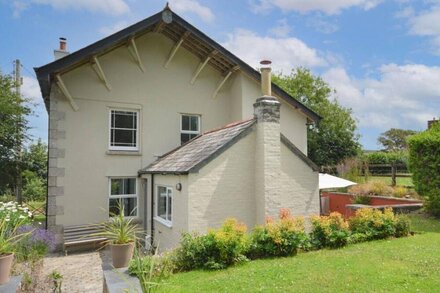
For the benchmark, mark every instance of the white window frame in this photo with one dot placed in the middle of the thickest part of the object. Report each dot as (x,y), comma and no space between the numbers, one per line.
(122,148)
(166,222)
(119,196)
(182,131)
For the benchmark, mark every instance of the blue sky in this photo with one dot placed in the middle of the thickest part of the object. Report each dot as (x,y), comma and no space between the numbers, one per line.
(381,56)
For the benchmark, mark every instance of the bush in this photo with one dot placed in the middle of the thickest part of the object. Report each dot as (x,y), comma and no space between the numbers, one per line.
(403,226)
(400,191)
(329,231)
(218,249)
(278,238)
(424,161)
(373,223)
(36,244)
(362,199)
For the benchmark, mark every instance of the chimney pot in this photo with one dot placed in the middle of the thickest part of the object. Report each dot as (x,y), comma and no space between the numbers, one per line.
(63,44)
(266,79)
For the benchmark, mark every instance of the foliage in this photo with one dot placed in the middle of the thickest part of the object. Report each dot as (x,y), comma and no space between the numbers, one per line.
(278,238)
(395,139)
(218,249)
(376,188)
(35,171)
(119,229)
(151,270)
(34,188)
(12,216)
(424,160)
(57,280)
(405,265)
(36,244)
(13,127)
(362,199)
(398,157)
(329,231)
(403,226)
(373,223)
(335,137)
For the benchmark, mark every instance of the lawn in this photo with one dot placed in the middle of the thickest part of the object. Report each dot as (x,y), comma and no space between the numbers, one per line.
(409,264)
(403,181)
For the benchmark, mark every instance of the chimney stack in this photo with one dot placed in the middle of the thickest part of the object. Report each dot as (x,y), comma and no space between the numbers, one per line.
(62,51)
(267,150)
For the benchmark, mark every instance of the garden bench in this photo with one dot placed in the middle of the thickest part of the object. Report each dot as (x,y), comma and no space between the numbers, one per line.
(81,236)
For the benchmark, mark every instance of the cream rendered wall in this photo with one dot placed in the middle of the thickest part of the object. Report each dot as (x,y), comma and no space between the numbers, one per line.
(159,94)
(293,123)
(224,188)
(299,183)
(166,237)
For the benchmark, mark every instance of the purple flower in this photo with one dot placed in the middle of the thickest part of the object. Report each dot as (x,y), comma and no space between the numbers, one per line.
(38,236)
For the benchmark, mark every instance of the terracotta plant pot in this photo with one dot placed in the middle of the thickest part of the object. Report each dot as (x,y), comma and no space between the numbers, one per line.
(5,267)
(122,254)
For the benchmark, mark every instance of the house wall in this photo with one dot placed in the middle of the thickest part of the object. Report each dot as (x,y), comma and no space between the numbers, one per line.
(167,237)
(299,183)
(224,188)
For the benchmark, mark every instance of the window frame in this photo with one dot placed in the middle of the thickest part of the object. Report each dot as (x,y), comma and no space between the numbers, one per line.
(121,196)
(159,219)
(123,148)
(182,131)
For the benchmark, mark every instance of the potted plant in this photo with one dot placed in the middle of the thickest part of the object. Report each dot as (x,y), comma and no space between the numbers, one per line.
(121,234)
(8,240)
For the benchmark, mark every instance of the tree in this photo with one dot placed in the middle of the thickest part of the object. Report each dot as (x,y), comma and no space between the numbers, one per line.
(13,127)
(395,139)
(334,138)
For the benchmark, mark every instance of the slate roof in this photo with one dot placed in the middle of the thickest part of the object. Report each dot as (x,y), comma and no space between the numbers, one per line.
(199,151)
(46,73)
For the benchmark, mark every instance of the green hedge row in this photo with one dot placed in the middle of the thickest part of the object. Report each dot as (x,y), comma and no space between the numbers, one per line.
(424,162)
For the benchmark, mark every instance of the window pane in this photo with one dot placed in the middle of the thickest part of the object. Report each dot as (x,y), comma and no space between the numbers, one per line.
(116,186)
(130,186)
(161,202)
(185,122)
(184,137)
(194,123)
(129,204)
(124,138)
(113,207)
(170,204)
(124,119)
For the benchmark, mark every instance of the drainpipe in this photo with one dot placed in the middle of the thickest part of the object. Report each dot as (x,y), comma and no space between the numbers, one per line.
(152,210)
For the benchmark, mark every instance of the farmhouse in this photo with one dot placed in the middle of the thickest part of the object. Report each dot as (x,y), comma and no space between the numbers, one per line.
(160,118)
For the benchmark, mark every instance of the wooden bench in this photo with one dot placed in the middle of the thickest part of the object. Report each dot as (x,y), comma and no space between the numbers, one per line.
(82,236)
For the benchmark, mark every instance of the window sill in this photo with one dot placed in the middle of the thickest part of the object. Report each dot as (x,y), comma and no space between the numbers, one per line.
(123,153)
(164,222)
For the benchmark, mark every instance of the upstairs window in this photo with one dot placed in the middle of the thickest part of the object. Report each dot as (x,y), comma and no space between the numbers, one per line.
(124,132)
(189,127)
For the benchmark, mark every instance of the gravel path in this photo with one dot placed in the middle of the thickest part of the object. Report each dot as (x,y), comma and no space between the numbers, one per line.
(81,272)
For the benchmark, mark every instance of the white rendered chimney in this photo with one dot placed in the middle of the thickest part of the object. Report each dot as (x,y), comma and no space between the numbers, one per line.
(62,51)
(267,150)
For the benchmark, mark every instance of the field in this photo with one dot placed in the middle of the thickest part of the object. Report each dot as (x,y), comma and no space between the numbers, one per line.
(403,181)
(409,264)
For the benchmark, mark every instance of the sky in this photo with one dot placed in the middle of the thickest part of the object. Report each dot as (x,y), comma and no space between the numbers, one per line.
(381,56)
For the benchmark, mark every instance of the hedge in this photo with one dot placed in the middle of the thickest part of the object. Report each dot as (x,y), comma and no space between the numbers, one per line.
(424,163)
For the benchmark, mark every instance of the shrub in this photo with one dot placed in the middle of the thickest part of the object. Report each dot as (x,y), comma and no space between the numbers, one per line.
(380,188)
(329,231)
(218,249)
(36,244)
(278,238)
(403,226)
(400,191)
(362,199)
(424,161)
(151,269)
(373,223)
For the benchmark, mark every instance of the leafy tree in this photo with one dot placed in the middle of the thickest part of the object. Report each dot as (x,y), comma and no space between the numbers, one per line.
(13,127)
(395,139)
(334,138)
(35,159)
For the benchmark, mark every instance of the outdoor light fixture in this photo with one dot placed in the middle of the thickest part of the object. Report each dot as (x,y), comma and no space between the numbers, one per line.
(179,186)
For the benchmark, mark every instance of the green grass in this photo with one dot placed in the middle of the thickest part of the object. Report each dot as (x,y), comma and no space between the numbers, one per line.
(409,264)
(403,181)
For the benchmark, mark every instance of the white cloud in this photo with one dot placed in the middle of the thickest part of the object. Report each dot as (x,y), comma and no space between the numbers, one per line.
(403,96)
(322,26)
(108,30)
(425,23)
(282,29)
(113,7)
(31,90)
(285,53)
(192,6)
(305,6)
